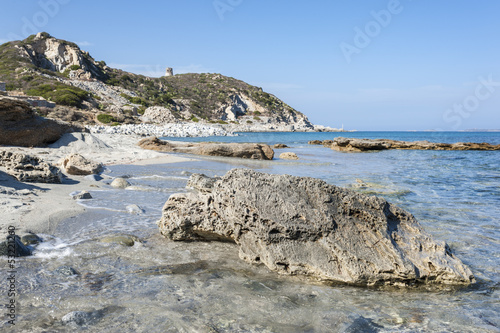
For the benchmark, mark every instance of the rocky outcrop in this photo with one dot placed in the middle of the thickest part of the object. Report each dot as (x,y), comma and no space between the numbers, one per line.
(76,164)
(54,54)
(19,126)
(26,168)
(158,115)
(359,145)
(280,146)
(289,156)
(256,151)
(304,226)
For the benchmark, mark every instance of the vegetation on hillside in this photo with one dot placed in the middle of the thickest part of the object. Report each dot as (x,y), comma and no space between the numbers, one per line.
(205,94)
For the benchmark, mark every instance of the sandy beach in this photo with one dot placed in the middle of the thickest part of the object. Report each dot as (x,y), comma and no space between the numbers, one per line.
(39,207)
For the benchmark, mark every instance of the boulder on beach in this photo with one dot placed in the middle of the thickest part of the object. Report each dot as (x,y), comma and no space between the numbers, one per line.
(120,183)
(83,195)
(280,146)
(27,168)
(258,151)
(20,126)
(76,164)
(304,226)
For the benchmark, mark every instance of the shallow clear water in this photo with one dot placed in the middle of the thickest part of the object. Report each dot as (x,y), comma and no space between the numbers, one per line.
(161,286)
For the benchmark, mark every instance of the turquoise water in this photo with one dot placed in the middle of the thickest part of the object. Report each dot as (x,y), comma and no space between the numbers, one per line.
(455,195)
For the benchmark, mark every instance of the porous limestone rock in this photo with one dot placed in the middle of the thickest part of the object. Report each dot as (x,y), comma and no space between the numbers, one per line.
(76,164)
(26,168)
(289,156)
(280,146)
(304,226)
(19,126)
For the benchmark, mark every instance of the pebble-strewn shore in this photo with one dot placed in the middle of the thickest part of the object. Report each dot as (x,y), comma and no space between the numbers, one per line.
(167,130)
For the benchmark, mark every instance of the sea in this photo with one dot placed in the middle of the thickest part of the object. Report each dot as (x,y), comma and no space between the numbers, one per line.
(159,285)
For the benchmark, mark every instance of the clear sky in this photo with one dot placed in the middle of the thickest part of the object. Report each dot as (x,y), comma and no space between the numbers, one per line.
(370,65)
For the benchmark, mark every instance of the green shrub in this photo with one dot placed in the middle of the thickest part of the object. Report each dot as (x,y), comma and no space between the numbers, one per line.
(249,122)
(59,93)
(74,67)
(194,119)
(256,118)
(105,118)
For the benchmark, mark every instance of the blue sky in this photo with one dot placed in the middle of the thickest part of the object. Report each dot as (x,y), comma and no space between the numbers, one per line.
(370,65)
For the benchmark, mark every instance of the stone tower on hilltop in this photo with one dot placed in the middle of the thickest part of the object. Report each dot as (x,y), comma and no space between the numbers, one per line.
(169,72)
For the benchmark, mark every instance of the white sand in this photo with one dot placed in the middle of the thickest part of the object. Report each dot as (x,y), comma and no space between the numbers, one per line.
(39,207)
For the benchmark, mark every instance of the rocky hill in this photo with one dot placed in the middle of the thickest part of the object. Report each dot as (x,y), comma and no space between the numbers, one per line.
(88,91)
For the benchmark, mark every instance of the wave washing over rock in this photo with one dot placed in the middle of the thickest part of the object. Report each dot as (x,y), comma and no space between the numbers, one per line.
(168,130)
(304,226)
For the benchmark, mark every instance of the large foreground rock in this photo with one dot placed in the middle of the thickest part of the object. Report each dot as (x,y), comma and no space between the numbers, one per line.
(305,226)
(256,151)
(27,168)
(19,126)
(359,145)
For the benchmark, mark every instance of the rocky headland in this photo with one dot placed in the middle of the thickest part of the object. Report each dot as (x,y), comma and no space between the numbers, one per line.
(304,226)
(66,83)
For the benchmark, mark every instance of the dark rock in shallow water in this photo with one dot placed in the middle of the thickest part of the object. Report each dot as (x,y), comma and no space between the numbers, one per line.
(81,318)
(66,271)
(125,240)
(30,239)
(14,247)
(304,226)
(363,325)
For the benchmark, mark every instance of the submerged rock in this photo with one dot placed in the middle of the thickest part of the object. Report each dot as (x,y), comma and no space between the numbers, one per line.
(304,226)
(125,240)
(66,271)
(280,146)
(26,168)
(82,318)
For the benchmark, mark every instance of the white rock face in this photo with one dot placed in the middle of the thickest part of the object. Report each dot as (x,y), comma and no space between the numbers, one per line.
(158,115)
(49,53)
(167,130)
